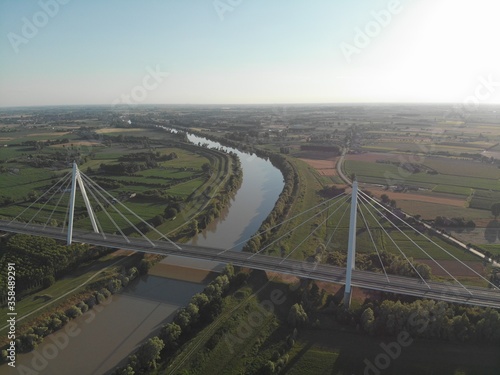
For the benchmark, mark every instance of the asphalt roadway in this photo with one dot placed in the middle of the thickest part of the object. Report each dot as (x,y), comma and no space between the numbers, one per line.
(449,292)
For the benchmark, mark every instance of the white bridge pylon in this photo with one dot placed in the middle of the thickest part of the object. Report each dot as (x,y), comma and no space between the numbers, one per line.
(351,246)
(77,178)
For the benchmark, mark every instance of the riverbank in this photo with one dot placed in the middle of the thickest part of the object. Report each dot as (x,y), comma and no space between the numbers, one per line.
(260,188)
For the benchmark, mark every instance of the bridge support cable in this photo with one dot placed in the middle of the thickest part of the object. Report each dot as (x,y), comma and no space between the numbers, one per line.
(397,246)
(373,241)
(103,209)
(284,222)
(336,227)
(90,210)
(90,182)
(41,196)
(107,215)
(99,188)
(425,252)
(64,183)
(58,202)
(309,235)
(432,241)
(293,229)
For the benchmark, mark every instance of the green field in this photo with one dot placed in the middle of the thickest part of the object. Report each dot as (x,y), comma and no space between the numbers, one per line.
(345,353)
(455,190)
(332,349)
(484,199)
(181,177)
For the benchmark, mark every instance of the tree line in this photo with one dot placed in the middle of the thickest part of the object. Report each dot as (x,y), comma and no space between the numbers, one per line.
(98,293)
(40,261)
(201,310)
(393,264)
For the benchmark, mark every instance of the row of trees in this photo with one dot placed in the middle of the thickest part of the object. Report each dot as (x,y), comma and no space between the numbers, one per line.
(457,223)
(387,316)
(282,205)
(34,335)
(393,263)
(431,319)
(39,261)
(202,309)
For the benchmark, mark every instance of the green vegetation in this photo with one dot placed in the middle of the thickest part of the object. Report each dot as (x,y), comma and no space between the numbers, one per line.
(456,190)
(386,174)
(40,261)
(53,319)
(305,330)
(153,176)
(203,308)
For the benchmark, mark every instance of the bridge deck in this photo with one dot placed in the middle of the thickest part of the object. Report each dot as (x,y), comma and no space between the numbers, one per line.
(369,280)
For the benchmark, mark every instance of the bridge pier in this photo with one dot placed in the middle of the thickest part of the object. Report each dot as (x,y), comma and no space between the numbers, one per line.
(351,247)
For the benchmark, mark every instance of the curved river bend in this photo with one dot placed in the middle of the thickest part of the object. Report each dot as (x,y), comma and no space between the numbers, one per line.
(100,339)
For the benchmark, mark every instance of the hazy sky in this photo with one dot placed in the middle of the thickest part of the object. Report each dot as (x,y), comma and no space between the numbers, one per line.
(248,51)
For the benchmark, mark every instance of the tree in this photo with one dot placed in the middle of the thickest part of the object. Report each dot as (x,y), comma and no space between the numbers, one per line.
(495,210)
(368,320)
(170,334)
(170,212)
(150,352)
(183,319)
(126,371)
(207,168)
(297,316)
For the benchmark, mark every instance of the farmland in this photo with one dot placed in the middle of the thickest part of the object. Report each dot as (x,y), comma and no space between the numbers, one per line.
(35,160)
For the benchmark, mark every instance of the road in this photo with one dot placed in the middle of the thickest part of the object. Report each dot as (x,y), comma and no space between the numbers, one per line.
(363,279)
(339,165)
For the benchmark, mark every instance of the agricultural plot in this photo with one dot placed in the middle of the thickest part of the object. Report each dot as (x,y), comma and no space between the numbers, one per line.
(389,174)
(462,168)
(20,181)
(145,191)
(453,190)
(484,199)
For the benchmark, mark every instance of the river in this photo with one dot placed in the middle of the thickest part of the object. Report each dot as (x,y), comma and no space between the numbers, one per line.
(99,340)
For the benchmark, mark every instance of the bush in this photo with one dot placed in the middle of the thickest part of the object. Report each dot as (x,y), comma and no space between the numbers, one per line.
(91,301)
(100,298)
(73,312)
(105,292)
(114,286)
(83,307)
(144,266)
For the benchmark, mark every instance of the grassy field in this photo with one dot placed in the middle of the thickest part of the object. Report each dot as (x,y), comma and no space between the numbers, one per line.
(387,174)
(181,177)
(220,349)
(211,353)
(454,190)
(340,353)
(310,184)
(48,299)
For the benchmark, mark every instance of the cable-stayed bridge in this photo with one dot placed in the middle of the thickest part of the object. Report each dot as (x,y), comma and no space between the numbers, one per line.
(100,204)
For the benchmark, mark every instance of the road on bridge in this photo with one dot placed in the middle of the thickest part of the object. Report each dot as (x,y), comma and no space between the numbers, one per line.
(448,292)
